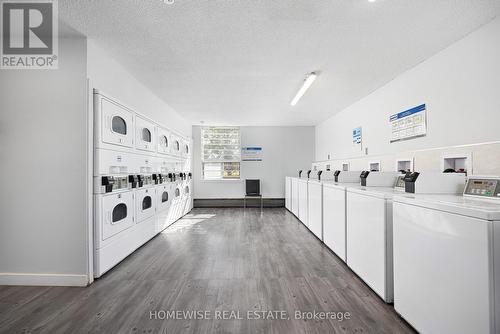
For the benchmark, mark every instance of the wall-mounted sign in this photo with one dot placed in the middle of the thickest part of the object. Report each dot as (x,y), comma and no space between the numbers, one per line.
(357,135)
(409,124)
(251,154)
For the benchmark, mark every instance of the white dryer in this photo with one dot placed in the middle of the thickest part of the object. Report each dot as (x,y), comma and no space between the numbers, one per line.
(187,196)
(145,203)
(114,216)
(164,199)
(186,148)
(176,145)
(447,259)
(145,136)
(334,210)
(163,141)
(113,123)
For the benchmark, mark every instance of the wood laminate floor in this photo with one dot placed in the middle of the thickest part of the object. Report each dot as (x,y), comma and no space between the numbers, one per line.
(214,260)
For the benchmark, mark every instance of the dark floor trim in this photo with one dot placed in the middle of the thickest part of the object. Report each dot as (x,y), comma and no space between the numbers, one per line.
(238,203)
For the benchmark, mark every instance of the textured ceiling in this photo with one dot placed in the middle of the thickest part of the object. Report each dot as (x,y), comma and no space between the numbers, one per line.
(240,62)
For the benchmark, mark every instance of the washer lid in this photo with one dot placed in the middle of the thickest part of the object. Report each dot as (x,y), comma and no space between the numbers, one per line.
(340,186)
(379,192)
(486,209)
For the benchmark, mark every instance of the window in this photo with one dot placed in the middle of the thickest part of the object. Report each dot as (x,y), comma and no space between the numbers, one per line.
(146,135)
(164,141)
(119,125)
(146,203)
(164,197)
(221,153)
(119,212)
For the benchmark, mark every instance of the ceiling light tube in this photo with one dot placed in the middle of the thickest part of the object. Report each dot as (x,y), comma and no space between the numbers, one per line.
(305,86)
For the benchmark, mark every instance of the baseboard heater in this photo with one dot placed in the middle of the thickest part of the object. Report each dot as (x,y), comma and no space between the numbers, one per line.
(238,203)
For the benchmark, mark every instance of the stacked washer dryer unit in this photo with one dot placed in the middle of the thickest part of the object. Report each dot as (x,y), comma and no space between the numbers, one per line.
(447,256)
(133,157)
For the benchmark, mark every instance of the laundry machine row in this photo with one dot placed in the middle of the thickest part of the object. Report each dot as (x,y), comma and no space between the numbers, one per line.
(118,127)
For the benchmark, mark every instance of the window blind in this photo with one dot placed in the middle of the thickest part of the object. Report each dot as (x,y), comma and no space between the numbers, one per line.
(220,144)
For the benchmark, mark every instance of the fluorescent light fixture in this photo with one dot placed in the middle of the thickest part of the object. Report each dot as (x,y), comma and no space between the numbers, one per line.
(305,86)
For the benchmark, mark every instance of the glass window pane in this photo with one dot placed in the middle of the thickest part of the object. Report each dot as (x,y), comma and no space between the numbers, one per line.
(164,141)
(164,197)
(146,202)
(119,212)
(119,125)
(146,135)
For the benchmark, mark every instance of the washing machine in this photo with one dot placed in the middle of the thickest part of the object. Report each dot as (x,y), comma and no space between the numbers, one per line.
(288,193)
(113,123)
(334,210)
(447,258)
(294,195)
(370,224)
(303,201)
(114,216)
(315,201)
(163,141)
(145,135)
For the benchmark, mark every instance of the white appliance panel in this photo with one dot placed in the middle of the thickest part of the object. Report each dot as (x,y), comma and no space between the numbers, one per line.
(288,186)
(295,196)
(163,142)
(115,123)
(367,241)
(334,220)
(145,135)
(442,270)
(145,203)
(303,202)
(114,214)
(315,208)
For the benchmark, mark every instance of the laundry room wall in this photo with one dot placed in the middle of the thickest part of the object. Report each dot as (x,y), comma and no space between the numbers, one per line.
(43,203)
(459,85)
(285,151)
(109,76)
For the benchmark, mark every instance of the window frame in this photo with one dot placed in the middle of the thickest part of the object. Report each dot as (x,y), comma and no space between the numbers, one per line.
(222,161)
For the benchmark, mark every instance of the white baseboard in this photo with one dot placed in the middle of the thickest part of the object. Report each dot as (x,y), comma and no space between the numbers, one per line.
(43,279)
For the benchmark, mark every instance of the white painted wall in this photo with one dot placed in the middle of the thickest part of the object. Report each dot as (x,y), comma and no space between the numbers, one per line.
(285,151)
(460,87)
(43,129)
(114,80)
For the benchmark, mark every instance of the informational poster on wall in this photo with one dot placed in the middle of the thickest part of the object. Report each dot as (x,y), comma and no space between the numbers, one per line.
(357,137)
(409,124)
(251,153)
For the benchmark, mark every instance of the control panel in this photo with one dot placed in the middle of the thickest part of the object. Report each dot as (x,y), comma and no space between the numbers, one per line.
(110,184)
(400,183)
(483,187)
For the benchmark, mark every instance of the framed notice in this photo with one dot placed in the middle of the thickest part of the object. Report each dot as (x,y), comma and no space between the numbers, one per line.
(357,135)
(409,124)
(251,154)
